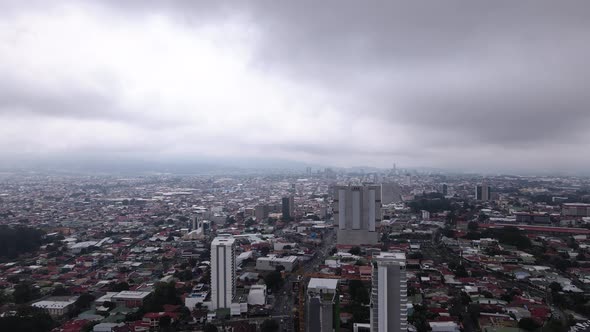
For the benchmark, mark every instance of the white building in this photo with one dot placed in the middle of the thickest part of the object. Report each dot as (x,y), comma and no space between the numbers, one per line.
(57,306)
(270,263)
(389,293)
(444,326)
(257,295)
(361,327)
(223,271)
(131,299)
(321,299)
(357,210)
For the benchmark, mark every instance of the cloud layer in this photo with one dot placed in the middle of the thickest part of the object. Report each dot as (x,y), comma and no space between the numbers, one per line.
(460,84)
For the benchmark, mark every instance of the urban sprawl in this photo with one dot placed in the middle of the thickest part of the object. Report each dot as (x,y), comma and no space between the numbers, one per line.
(318,250)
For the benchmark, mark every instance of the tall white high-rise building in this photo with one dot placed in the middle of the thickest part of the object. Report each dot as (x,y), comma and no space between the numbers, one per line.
(223,271)
(389,293)
(322,297)
(357,211)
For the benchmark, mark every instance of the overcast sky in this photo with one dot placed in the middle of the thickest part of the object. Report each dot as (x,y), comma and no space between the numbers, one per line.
(472,85)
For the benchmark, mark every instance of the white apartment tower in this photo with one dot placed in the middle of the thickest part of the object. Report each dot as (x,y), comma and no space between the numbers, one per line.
(389,293)
(357,210)
(223,271)
(322,298)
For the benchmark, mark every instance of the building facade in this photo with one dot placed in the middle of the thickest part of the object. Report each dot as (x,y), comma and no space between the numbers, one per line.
(322,304)
(271,263)
(389,293)
(223,271)
(261,212)
(357,211)
(288,207)
(575,210)
(483,192)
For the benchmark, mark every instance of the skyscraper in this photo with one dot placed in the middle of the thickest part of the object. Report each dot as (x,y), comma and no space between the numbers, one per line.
(223,271)
(483,192)
(322,299)
(261,212)
(357,209)
(288,207)
(389,293)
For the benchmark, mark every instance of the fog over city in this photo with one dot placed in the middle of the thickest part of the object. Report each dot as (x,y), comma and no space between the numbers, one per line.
(461,85)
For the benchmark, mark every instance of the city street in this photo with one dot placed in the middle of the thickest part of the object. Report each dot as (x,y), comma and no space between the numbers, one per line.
(284,304)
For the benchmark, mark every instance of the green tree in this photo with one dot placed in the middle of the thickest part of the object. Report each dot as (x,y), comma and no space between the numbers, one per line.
(473,226)
(210,328)
(164,293)
(461,272)
(482,217)
(60,290)
(165,322)
(269,325)
(355,251)
(120,286)
(358,292)
(264,250)
(24,293)
(555,287)
(84,301)
(19,240)
(528,324)
(27,319)
(249,222)
(273,280)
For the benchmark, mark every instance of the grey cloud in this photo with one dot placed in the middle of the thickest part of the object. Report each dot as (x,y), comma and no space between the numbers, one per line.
(523,65)
(461,73)
(18,98)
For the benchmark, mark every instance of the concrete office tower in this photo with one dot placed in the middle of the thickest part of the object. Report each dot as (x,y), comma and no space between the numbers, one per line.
(197,224)
(322,304)
(389,293)
(288,207)
(223,271)
(391,193)
(261,212)
(483,192)
(357,210)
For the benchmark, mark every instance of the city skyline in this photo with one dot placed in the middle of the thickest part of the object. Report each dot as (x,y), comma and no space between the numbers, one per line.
(461,86)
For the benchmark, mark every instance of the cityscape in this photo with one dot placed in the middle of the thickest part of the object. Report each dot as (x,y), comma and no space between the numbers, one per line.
(322,250)
(294,166)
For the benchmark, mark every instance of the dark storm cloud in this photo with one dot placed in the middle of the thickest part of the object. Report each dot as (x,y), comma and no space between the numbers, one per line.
(522,66)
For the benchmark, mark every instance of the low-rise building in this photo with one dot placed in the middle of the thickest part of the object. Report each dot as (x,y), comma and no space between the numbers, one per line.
(57,306)
(272,262)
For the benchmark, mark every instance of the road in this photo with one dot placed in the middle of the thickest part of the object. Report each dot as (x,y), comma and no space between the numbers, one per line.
(284,303)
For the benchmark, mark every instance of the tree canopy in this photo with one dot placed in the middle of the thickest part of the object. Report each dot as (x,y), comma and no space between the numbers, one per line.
(273,280)
(269,325)
(27,319)
(19,240)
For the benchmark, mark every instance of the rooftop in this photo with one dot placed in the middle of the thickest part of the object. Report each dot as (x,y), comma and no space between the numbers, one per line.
(223,240)
(48,304)
(318,283)
(392,256)
(131,295)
